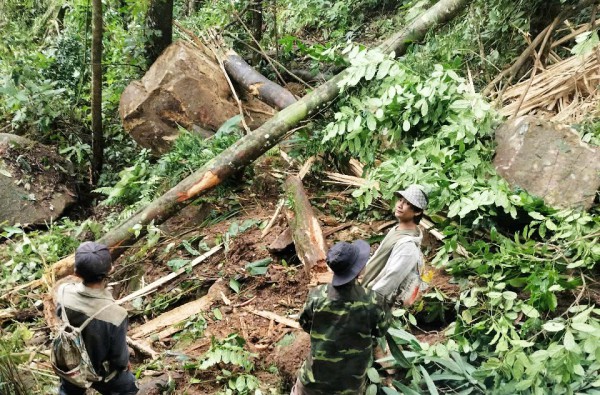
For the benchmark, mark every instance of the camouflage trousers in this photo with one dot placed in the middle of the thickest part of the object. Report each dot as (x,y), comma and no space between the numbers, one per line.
(300,389)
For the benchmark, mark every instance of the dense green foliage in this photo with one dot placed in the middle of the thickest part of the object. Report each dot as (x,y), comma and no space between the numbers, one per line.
(429,127)
(522,323)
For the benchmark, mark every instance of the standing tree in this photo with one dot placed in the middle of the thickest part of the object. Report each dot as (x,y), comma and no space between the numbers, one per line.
(256,21)
(97,135)
(159,24)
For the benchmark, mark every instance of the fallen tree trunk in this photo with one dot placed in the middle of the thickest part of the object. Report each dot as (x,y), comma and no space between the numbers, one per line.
(439,13)
(306,231)
(256,83)
(253,145)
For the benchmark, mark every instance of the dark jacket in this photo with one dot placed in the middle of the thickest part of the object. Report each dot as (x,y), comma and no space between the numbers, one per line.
(343,323)
(105,337)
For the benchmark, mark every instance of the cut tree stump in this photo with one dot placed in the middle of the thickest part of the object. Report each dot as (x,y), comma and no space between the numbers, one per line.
(306,231)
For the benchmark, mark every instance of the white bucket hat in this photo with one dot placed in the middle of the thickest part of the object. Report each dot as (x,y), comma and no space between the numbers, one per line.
(415,195)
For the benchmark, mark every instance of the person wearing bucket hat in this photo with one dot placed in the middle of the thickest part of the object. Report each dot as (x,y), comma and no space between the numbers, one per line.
(343,320)
(105,335)
(394,271)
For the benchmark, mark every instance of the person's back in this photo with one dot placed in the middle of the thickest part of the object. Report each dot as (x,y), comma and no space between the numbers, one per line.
(105,336)
(342,323)
(343,320)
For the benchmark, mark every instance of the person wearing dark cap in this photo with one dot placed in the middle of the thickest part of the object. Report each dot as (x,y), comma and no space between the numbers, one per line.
(394,271)
(105,336)
(343,320)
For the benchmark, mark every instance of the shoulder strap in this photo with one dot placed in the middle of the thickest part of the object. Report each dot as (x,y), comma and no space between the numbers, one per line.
(63,312)
(86,322)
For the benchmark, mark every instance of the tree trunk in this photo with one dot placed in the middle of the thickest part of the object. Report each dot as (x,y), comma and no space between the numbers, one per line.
(159,22)
(256,83)
(246,149)
(97,135)
(306,231)
(256,22)
(440,12)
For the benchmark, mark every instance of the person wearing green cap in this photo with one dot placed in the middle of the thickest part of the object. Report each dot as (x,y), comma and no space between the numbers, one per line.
(343,320)
(394,271)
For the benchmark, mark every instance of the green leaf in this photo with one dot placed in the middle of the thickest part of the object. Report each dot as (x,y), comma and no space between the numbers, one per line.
(582,327)
(384,68)
(569,341)
(405,390)
(551,225)
(586,42)
(396,352)
(235,285)
(231,123)
(530,311)
(406,125)
(371,122)
(371,70)
(176,264)
(578,370)
(430,384)
(553,326)
(260,267)
(217,313)
(509,295)
(424,108)
(536,215)
(373,375)
(371,390)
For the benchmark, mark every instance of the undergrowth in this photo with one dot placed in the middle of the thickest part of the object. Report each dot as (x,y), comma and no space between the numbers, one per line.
(512,335)
(145,180)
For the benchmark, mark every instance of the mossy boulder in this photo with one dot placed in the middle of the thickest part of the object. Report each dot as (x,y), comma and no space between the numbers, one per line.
(35,182)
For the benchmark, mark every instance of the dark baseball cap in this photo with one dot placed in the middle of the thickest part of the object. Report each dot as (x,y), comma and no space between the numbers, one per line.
(92,261)
(347,260)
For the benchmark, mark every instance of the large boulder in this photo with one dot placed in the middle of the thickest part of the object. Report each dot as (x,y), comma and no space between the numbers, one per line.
(34,182)
(186,87)
(549,161)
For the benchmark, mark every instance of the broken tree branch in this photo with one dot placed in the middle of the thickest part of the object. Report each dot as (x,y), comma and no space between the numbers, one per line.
(142,347)
(163,280)
(275,317)
(512,71)
(166,323)
(273,218)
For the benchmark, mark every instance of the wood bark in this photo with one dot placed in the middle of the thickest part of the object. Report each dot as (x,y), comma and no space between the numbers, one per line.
(256,83)
(306,231)
(97,134)
(256,19)
(248,148)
